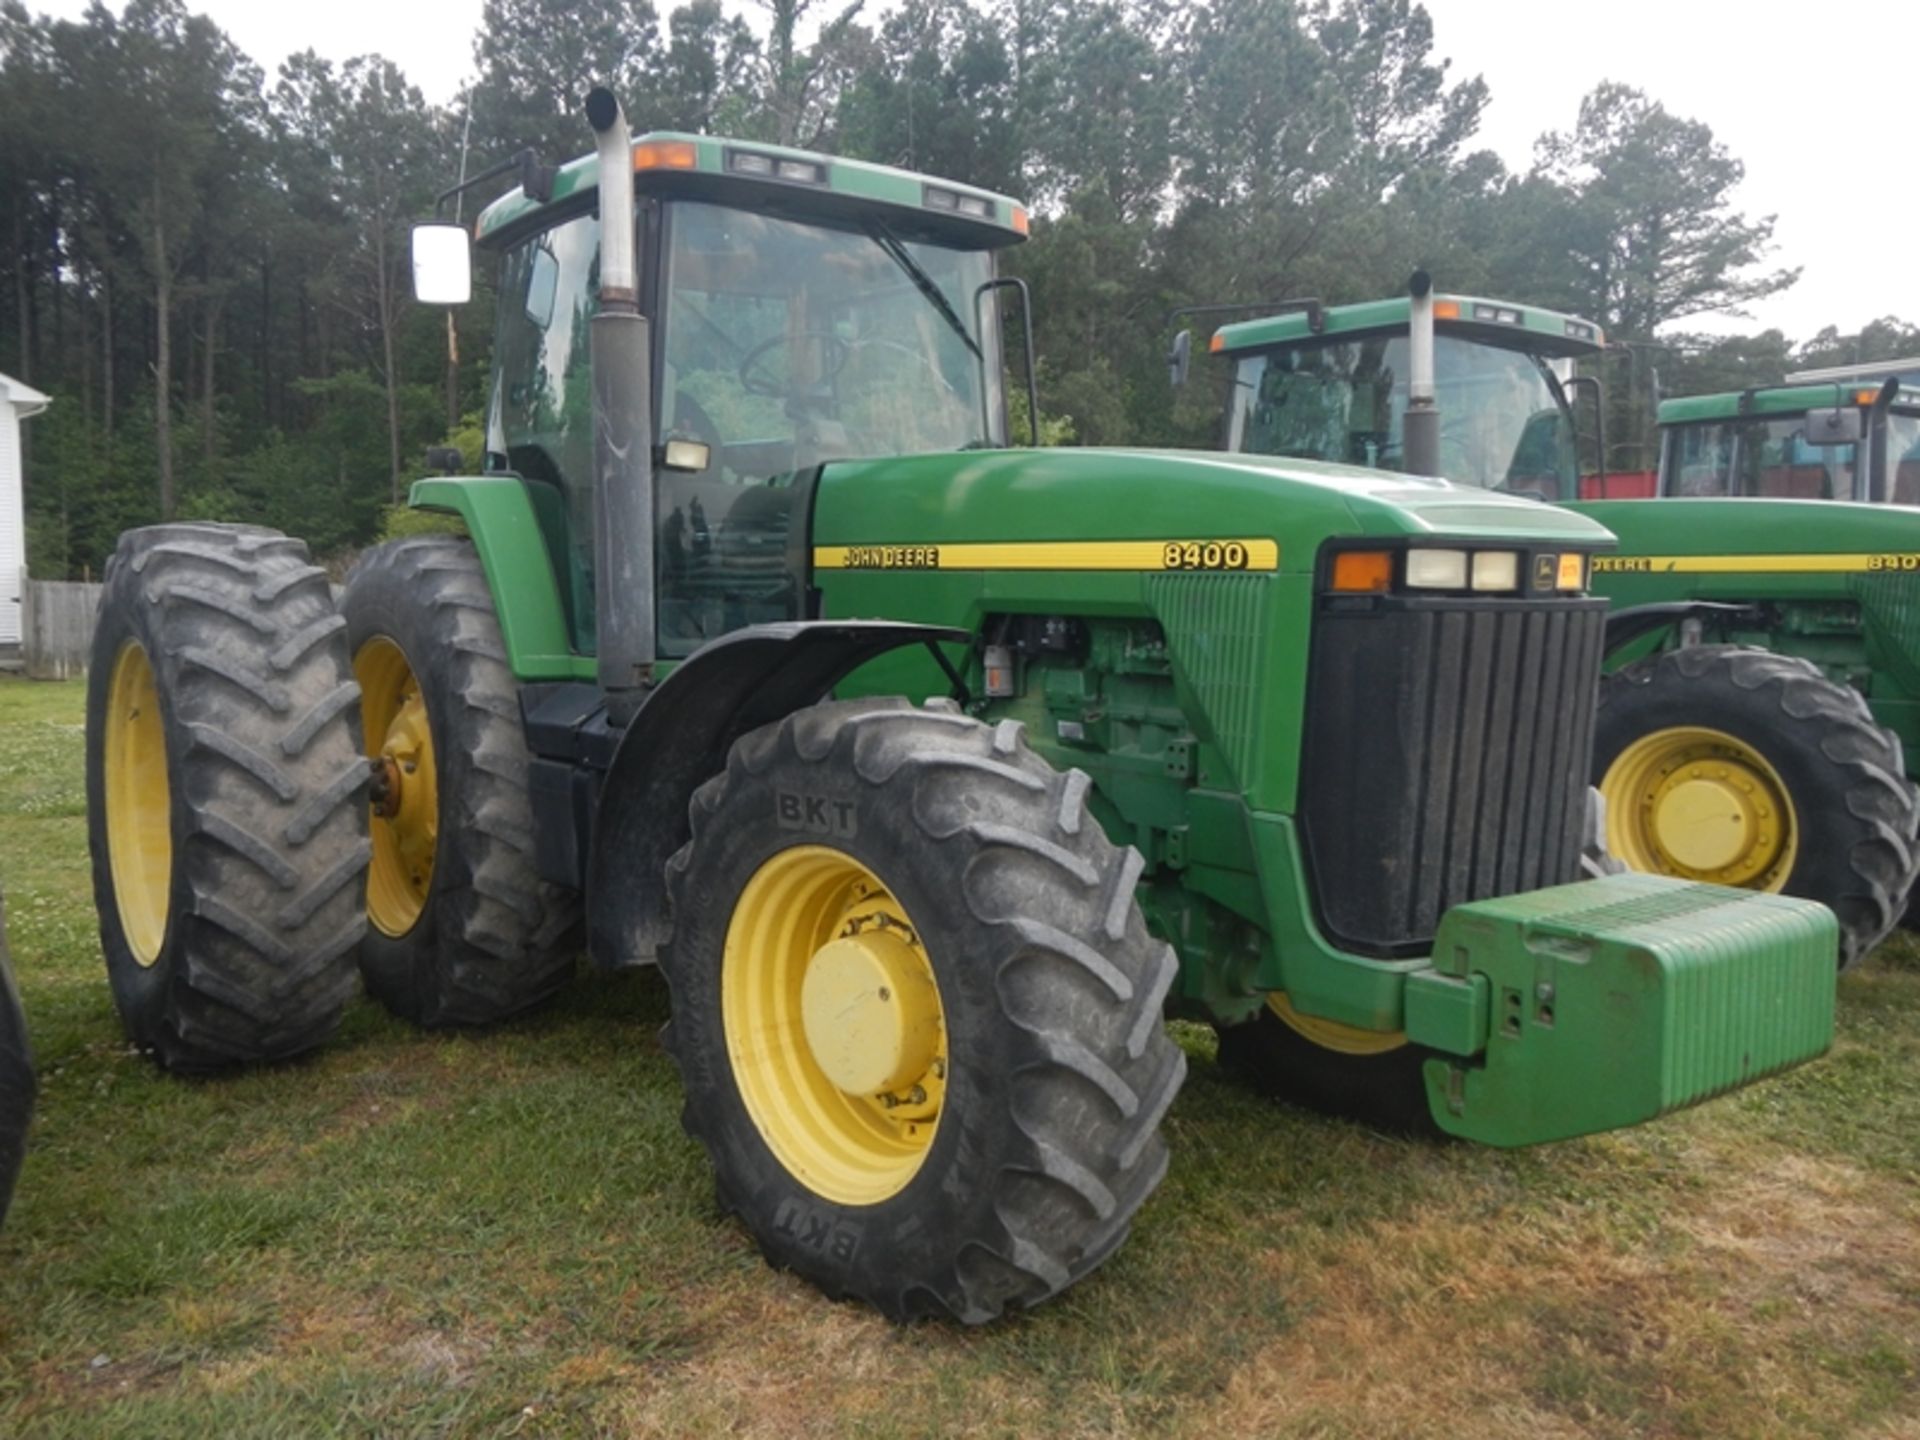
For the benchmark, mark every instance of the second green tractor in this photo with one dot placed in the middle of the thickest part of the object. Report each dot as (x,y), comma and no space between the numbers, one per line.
(1761,710)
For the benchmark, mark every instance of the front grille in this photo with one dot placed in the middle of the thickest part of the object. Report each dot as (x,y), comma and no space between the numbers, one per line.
(1446,759)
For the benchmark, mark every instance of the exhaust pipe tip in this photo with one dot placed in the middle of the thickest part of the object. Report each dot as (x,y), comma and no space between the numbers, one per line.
(603,109)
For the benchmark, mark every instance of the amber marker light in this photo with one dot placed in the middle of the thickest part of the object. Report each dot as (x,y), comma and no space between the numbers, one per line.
(1020,219)
(1363,572)
(1573,573)
(1865,397)
(1446,309)
(1217,343)
(666,155)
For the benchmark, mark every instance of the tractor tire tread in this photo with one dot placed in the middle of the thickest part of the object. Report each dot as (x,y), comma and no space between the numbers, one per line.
(1089,1068)
(241,659)
(496,936)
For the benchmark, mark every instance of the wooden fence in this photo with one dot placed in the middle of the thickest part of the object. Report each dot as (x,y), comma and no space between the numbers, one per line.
(56,627)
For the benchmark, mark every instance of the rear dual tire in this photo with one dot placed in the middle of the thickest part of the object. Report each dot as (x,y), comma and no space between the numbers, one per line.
(462,929)
(225,795)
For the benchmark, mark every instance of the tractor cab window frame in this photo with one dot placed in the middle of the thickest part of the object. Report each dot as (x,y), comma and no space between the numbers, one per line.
(782,343)
(1757,457)
(896,356)
(1494,446)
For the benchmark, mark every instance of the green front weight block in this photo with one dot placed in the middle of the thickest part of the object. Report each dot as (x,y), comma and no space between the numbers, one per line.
(1589,1007)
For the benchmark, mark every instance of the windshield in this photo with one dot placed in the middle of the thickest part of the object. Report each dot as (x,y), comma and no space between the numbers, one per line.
(788,344)
(785,345)
(1755,456)
(1504,424)
(780,345)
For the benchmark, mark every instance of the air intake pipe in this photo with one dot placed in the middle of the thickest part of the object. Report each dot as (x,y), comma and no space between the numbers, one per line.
(623,508)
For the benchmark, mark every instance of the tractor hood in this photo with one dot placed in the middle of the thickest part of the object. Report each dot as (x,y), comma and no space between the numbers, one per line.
(1088,495)
(1759,536)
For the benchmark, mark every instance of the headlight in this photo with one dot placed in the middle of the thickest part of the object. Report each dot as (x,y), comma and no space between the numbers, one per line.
(1496,570)
(1436,569)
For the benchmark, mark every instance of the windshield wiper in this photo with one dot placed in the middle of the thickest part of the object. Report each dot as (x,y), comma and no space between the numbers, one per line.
(923,282)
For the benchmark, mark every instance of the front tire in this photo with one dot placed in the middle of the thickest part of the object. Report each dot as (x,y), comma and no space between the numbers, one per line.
(1006,965)
(462,929)
(1742,767)
(1356,1075)
(224,795)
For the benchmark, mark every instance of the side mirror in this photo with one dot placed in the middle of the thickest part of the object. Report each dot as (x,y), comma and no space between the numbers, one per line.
(1838,426)
(442,265)
(1179,358)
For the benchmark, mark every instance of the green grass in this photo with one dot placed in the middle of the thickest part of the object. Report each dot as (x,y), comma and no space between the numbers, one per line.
(507,1234)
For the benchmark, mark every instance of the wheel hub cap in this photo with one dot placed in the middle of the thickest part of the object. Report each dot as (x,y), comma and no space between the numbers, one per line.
(1702,805)
(1706,820)
(871,1013)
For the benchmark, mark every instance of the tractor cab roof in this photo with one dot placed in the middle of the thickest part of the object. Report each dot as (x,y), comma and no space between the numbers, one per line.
(1778,400)
(756,176)
(1544,332)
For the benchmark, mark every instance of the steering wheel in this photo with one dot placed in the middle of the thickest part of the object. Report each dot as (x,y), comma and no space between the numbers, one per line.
(833,361)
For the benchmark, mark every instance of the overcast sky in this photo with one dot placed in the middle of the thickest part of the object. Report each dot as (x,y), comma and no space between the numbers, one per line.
(1817,107)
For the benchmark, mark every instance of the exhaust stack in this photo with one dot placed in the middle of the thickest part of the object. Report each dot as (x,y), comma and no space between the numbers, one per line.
(623,506)
(1420,434)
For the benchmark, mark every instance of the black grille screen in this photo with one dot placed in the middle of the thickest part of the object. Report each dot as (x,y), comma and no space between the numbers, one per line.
(1446,759)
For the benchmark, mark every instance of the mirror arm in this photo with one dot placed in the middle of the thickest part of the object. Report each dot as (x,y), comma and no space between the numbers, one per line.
(536,179)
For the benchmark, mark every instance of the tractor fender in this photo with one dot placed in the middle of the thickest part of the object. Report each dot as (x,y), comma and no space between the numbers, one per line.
(1627,625)
(680,736)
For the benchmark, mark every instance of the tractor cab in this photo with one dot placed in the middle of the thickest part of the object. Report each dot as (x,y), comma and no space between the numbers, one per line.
(803,309)
(1335,382)
(1796,442)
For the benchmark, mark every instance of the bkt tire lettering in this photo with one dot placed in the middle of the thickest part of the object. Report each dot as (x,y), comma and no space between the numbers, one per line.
(815,814)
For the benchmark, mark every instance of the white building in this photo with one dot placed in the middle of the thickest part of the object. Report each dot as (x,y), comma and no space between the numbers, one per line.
(17,402)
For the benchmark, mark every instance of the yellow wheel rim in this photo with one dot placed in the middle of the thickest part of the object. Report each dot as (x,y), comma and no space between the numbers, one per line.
(139,803)
(1331,1034)
(835,1031)
(406,830)
(1699,804)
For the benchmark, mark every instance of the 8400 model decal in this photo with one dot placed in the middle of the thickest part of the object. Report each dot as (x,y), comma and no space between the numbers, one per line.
(1855,564)
(1210,554)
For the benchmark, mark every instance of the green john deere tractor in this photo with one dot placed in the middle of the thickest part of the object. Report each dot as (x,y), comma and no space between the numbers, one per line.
(1762,707)
(1289,748)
